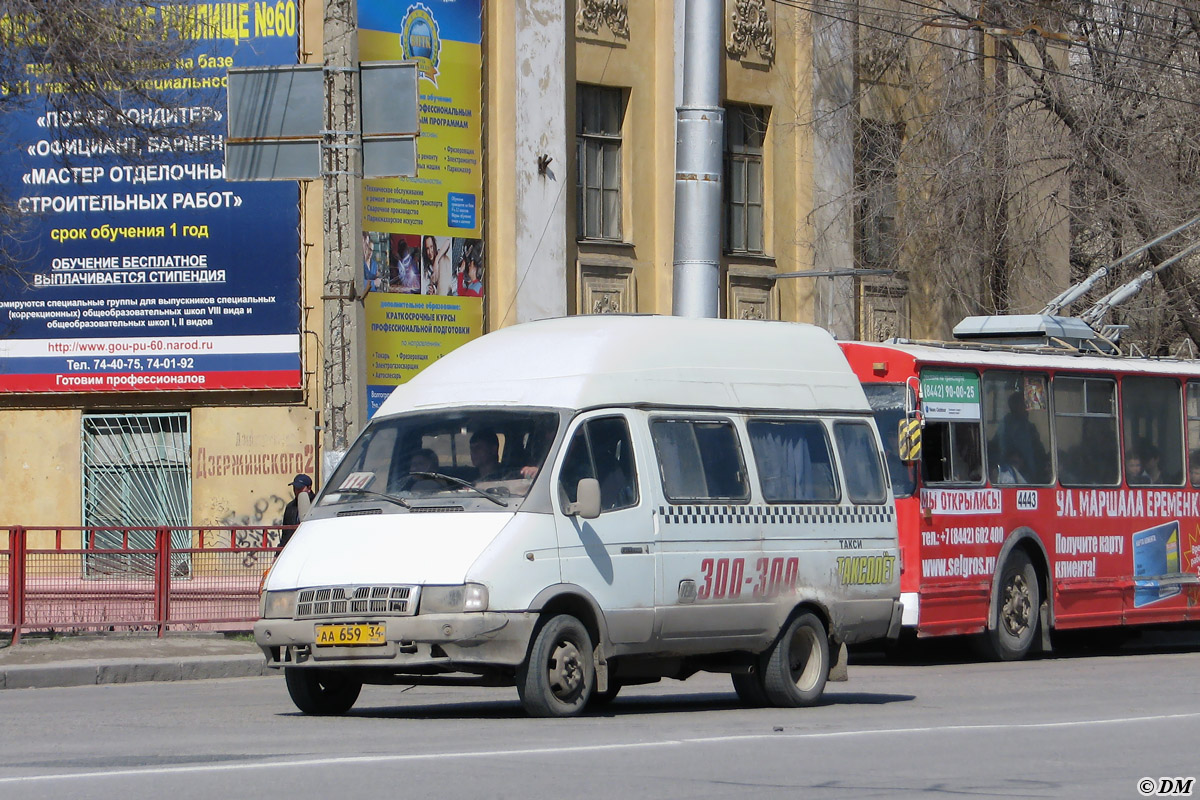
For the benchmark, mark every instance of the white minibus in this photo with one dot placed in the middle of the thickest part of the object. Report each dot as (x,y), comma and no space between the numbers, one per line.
(576,505)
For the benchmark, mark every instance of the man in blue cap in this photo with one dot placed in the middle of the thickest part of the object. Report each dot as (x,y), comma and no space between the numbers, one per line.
(295,510)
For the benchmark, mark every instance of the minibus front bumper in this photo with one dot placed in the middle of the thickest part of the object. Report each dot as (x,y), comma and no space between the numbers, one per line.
(423,643)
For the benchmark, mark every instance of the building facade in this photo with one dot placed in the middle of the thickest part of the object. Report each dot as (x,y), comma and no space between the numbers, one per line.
(578,109)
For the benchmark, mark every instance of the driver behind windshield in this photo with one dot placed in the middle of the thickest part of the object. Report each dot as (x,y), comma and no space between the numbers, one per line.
(424,460)
(485,455)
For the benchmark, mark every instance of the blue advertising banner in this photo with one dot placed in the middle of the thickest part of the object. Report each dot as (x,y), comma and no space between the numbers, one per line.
(137,268)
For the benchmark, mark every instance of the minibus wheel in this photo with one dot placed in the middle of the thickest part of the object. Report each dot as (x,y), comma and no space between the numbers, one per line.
(321,692)
(1016,616)
(749,688)
(556,679)
(797,666)
(599,699)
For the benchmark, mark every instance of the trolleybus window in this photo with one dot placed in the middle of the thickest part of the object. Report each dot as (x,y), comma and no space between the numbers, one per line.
(1085,431)
(1193,429)
(860,462)
(1016,428)
(888,402)
(793,460)
(1151,419)
(699,460)
(950,443)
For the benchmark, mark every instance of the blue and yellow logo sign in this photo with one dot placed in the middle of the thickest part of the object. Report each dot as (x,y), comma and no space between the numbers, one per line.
(419,41)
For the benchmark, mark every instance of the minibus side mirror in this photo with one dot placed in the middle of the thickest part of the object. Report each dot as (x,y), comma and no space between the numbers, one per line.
(588,503)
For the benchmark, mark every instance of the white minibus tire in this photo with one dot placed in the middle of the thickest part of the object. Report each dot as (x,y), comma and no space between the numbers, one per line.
(797,666)
(321,692)
(556,679)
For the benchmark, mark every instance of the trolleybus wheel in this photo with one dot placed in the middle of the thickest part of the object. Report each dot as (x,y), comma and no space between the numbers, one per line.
(321,692)
(556,679)
(1016,616)
(797,666)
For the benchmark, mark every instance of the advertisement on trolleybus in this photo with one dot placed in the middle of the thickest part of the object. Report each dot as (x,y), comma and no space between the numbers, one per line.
(1038,491)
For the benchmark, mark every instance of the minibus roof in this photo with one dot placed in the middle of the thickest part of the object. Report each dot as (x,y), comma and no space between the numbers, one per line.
(625,360)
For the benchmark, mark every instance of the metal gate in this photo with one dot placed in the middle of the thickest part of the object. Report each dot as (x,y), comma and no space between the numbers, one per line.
(136,474)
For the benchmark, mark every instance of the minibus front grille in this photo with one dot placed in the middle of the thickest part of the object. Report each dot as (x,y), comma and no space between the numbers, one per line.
(335,600)
(358,512)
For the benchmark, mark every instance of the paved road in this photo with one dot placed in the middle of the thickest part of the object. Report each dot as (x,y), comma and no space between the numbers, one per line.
(1080,726)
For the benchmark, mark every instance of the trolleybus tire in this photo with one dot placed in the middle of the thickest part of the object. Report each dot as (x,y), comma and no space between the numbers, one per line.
(1011,633)
(797,666)
(557,677)
(321,692)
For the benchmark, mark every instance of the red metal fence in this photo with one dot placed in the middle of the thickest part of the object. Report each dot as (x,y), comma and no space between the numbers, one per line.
(72,579)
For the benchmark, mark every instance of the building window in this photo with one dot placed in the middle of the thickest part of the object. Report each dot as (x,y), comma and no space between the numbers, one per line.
(136,473)
(745,133)
(600,111)
(876,184)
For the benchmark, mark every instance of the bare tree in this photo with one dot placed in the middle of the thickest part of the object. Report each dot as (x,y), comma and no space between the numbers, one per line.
(1037,141)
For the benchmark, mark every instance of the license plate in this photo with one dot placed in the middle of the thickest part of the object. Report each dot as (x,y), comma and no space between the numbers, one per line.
(349,635)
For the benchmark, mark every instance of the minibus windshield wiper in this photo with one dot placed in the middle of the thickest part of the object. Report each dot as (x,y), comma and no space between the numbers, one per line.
(400,501)
(461,482)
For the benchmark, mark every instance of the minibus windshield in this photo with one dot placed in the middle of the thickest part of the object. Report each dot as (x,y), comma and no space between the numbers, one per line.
(481,457)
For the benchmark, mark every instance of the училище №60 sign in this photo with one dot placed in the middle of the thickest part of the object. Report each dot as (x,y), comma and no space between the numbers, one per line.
(141,270)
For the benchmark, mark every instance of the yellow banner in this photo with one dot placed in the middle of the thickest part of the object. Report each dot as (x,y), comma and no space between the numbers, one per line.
(406,333)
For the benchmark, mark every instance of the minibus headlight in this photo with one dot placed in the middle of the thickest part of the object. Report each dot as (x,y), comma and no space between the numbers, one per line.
(475,597)
(278,605)
(453,599)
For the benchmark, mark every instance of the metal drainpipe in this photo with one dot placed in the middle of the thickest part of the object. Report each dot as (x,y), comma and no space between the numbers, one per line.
(699,145)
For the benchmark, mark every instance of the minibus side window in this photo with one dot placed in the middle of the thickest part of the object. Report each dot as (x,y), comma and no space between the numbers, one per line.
(794,462)
(700,460)
(860,462)
(1152,424)
(601,449)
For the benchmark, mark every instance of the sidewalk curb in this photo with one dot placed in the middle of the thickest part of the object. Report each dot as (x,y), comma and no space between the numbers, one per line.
(116,670)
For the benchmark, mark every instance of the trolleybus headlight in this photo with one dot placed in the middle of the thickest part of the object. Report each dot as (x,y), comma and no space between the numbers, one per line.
(453,599)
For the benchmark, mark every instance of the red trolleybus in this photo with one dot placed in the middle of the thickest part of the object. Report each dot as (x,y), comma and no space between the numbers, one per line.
(1052,489)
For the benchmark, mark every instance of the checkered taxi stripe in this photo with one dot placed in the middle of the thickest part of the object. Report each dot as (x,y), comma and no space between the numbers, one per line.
(775,515)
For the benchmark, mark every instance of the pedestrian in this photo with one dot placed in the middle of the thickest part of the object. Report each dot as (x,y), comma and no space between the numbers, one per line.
(298,508)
